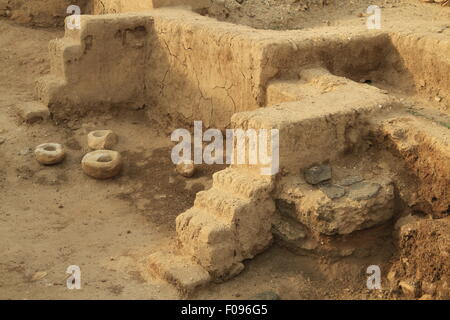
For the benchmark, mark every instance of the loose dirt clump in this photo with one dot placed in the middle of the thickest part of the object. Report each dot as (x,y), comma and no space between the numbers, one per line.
(423,259)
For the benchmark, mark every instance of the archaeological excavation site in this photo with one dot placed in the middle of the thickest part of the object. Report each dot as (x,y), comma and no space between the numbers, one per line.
(225,149)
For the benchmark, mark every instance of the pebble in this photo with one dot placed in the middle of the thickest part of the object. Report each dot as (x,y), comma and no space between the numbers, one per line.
(186,168)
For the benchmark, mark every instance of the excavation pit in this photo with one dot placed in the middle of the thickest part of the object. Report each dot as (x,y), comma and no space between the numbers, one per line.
(357,100)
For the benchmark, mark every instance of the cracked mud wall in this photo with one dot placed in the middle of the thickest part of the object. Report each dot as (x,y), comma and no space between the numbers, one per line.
(98,67)
(431,71)
(201,69)
(119,6)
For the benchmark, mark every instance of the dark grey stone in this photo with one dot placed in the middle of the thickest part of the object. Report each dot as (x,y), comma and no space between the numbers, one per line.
(333,191)
(286,208)
(363,190)
(347,181)
(318,174)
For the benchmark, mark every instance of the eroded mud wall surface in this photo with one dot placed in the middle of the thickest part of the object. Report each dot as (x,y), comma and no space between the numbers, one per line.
(199,69)
(41,13)
(203,69)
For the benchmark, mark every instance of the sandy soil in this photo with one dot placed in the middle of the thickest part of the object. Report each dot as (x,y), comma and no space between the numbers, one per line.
(316,14)
(53,217)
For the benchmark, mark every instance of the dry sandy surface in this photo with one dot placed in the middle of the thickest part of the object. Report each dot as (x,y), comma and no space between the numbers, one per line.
(54,217)
(319,15)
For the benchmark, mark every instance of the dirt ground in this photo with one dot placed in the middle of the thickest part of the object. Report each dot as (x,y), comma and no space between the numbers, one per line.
(54,217)
(309,14)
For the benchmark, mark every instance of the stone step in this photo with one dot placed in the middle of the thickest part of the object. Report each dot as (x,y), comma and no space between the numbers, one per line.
(32,111)
(180,271)
(207,239)
(243,182)
(340,115)
(222,204)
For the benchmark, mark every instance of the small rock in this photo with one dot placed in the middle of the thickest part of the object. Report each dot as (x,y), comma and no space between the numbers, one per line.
(318,174)
(267,295)
(333,191)
(438,99)
(32,112)
(186,168)
(364,191)
(180,271)
(288,230)
(426,297)
(347,181)
(101,139)
(391,277)
(286,208)
(2,140)
(408,289)
(406,220)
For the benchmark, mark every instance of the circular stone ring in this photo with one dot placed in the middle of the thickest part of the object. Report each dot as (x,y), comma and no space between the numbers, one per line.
(49,153)
(102,164)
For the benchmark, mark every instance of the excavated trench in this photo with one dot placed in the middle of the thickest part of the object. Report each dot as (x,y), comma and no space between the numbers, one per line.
(347,104)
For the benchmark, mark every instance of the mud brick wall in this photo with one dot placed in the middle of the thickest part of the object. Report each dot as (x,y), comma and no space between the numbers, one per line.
(199,69)
(119,6)
(98,66)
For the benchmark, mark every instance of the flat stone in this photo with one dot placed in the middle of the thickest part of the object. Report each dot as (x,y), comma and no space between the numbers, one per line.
(333,191)
(179,271)
(33,111)
(347,181)
(363,190)
(288,230)
(318,174)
